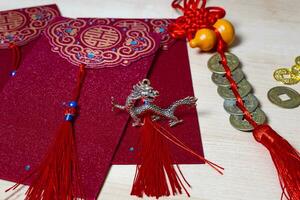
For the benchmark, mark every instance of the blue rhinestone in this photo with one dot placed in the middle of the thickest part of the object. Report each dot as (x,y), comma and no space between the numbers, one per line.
(113,49)
(91,55)
(13,73)
(9,37)
(68,30)
(146,102)
(69,117)
(73,104)
(27,167)
(161,29)
(133,42)
(38,16)
(131,149)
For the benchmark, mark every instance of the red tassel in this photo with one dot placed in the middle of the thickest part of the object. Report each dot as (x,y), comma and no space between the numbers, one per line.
(155,175)
(57,177)
(286,160)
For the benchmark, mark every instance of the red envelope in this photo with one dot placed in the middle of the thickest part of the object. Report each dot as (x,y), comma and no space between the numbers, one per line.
(21,27)
(32,105)
(170,74)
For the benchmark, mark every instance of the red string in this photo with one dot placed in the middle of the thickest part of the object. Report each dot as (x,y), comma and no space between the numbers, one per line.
(180,144)
(16,55)
(234,87)
(195,17)
(80,79)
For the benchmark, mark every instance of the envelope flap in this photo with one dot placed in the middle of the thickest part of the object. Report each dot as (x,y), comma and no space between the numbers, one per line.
(157,26)
(23,25)
(99,45)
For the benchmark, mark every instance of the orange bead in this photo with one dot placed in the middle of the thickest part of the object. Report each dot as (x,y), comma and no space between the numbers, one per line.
(226,30)
(205,39)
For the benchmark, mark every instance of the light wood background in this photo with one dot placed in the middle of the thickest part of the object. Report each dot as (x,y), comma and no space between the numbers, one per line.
(268,36)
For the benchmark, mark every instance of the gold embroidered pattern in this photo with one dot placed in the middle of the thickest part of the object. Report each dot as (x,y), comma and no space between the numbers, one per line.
(158,26)
(11,21)
(20,27)
(101,37)
(99,45)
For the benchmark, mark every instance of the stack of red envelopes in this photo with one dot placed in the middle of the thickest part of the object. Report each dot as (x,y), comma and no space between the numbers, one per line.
(118,53)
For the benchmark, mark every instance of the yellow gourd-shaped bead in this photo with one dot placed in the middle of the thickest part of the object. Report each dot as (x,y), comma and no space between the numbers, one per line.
(226,30)
(205,39)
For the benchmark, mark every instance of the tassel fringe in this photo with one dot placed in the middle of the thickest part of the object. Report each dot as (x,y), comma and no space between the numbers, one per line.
(286,160)
(155,175)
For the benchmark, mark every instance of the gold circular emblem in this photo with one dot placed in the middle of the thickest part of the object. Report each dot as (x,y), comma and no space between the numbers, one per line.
(10,21)
(101,37)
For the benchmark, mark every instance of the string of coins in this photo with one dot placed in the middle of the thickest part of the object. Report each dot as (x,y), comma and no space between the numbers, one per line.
(289,76)
(244,89)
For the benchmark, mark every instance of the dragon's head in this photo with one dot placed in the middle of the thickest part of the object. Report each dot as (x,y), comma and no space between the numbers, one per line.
(144,91)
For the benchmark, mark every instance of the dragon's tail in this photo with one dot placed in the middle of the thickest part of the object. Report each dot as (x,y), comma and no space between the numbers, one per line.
(190,101)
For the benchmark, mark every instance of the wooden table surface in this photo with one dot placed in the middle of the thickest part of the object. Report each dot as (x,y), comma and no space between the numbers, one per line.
(268,36)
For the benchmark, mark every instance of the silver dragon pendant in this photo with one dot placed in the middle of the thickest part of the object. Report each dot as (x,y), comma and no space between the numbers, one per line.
(143,91)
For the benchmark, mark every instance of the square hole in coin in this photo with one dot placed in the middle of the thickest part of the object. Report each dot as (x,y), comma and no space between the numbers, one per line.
(286,76)
(284,97)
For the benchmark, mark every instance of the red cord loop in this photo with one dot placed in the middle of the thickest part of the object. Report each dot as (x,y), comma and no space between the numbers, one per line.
(194,18)
(16,56)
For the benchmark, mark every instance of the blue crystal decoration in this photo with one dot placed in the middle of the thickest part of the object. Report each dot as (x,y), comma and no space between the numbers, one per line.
(133,42)
(90,55)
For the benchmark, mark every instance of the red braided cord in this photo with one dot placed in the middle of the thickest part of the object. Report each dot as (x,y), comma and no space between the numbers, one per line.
(80,79)
(234,87)
(196,17)
(16,55)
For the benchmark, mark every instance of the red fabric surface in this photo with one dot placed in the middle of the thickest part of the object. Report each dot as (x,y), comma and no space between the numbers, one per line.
(6,57)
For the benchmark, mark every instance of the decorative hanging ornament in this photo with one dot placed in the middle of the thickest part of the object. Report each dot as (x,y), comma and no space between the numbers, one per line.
(155,175)
(205,28)
(57,176)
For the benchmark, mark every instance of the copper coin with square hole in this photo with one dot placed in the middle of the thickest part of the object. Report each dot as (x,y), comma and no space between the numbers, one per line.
(296,71)
(244,88)
(238,121)
(284,97)
(286,76)
(214,63)
(250,102)
(221,80)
